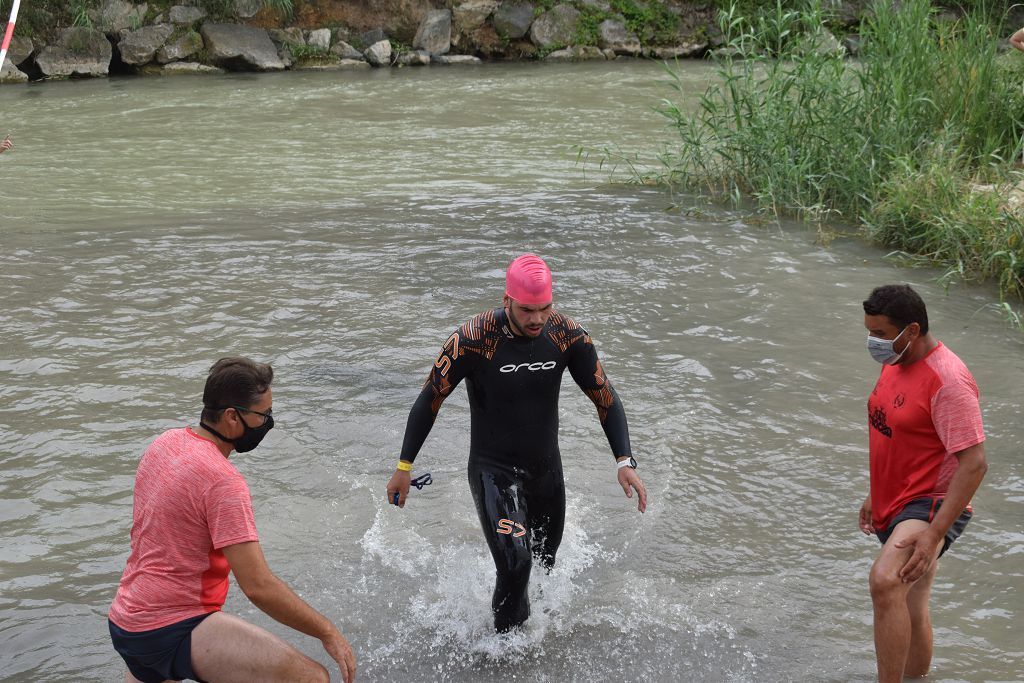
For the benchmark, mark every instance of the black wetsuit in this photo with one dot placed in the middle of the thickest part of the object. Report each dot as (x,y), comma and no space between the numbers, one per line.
(515,469)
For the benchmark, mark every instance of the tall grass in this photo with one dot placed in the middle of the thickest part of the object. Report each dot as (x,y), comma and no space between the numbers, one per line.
(897,140)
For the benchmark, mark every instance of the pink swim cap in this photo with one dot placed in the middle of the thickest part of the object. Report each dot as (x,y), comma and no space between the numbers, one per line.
(528,280)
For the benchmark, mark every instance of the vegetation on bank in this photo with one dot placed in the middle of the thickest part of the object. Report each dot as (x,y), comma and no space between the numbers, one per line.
(653,22)
(917,140)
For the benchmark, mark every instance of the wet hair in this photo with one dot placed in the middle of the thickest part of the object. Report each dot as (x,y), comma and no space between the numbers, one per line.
(235,381)
(900,304)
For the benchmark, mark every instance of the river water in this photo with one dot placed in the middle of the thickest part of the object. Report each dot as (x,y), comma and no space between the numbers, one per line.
(340,226)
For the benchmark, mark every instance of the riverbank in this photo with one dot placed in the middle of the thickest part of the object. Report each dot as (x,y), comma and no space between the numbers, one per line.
(917,142)
(95,38)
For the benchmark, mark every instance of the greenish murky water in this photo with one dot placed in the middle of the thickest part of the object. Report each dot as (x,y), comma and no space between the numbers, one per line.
(340,226)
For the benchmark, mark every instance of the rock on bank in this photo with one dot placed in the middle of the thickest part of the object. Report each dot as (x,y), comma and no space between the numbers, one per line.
(161,36)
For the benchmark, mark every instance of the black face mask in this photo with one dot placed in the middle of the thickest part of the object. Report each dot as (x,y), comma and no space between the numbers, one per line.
(251,436)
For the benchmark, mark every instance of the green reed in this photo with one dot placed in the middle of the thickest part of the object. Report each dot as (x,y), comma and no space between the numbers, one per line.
(898,140)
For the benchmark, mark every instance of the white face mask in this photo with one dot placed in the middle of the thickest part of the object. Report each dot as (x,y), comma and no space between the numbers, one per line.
(882,349)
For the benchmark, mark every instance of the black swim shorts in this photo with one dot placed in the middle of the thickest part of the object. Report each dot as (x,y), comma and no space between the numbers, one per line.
(925,509)
(158,655)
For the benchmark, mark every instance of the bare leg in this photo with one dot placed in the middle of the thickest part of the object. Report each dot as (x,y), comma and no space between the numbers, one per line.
(889,595)
(919,656)
(227,649)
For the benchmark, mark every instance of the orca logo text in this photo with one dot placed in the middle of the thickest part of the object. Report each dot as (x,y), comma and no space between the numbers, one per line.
(532,367)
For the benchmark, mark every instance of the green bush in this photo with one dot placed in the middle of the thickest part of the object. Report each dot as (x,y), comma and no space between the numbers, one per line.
(930,209)
(653,22)
(895,140)
(308,54)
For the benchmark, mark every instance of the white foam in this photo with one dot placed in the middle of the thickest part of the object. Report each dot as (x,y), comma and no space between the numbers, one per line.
(456,582)
(441,620)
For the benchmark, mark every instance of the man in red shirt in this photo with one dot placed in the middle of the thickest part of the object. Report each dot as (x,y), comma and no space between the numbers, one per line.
(927,458)
(192,523)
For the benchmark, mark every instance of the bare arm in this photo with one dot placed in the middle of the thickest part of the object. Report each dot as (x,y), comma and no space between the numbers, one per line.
(273,596)
(866,523)
(969,473)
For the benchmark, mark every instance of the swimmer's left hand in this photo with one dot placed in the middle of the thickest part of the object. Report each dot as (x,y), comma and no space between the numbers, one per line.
(629,480)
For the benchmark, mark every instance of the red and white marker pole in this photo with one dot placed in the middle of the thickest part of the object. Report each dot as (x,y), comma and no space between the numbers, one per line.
(10,32)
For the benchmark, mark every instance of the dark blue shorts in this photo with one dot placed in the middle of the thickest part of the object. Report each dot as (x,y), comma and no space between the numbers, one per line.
(925,509)
(158,655)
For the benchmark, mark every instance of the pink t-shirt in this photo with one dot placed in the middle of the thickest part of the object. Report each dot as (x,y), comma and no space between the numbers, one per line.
(919,416)
(190,502)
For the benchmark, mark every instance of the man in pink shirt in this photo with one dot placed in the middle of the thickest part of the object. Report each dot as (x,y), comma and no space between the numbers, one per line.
(927,458)
(192,523)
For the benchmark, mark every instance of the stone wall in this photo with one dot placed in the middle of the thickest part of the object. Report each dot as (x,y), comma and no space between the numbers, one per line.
(135,38)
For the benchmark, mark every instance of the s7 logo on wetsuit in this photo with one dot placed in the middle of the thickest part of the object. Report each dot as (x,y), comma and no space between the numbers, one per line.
(507,526)
(443,362)
(532,367)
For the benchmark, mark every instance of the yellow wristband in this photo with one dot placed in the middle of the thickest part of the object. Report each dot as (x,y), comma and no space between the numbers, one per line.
(405,466)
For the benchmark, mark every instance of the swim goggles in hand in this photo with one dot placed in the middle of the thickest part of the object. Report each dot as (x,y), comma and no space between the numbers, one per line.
(419,482)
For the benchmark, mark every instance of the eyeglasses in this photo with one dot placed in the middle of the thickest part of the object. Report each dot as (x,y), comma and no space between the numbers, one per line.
(267,415)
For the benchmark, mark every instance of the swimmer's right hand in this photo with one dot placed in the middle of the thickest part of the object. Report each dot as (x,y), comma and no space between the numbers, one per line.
(399,484)
(865,522)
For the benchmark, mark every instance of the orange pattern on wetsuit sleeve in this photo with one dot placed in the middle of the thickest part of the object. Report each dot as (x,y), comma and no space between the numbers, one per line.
(564,332)
(481,336)
(602,395)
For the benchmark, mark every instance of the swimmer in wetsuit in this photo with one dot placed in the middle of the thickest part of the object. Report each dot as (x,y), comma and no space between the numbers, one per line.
(512,359)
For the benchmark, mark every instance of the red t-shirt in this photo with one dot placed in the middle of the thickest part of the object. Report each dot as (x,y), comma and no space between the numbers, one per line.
(919,417)
(190,502)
